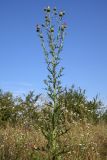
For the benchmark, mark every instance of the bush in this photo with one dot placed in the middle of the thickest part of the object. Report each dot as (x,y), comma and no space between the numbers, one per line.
(78,106)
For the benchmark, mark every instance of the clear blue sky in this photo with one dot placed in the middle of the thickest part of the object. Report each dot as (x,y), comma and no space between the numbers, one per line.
(22,65)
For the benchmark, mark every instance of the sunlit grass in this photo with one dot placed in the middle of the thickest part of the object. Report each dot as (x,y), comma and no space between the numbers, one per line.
(86,142)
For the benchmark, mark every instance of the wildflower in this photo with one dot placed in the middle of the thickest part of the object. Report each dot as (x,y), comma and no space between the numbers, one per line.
(35,147)
(63,27)
(66,111)
(51,29)
(61,14)
(48,9)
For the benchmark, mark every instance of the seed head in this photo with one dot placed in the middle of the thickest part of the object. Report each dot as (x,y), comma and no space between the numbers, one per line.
(61,14)
(48,9)
(63,27)
(51,29)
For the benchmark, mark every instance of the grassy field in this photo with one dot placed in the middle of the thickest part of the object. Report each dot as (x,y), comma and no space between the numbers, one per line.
(86,142)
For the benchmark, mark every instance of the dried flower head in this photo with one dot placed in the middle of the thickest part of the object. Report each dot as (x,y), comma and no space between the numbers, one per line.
(63,27)
(51,29)
(48,9)
(61,14)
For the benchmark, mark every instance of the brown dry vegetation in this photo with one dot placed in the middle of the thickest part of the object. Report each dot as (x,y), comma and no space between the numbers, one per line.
(85,142)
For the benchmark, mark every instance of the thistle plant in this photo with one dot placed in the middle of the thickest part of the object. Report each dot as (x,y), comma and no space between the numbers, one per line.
(51,34)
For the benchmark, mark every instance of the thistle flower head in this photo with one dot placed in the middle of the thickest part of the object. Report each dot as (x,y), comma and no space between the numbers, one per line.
(48,9)
(61,14)
(52,29)
(64,26)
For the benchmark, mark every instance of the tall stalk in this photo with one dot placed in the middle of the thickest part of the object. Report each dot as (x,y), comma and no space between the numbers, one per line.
(51,34)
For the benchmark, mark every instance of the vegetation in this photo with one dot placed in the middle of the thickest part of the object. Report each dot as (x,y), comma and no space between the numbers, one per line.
(22,122)
(67,127)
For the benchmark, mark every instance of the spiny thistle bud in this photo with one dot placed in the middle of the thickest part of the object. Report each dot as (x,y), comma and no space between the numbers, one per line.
(61,14)
(63,26)
(48,9)
(38,28)
(51,29)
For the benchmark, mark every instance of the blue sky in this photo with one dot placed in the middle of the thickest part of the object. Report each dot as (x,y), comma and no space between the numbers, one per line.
(22,65)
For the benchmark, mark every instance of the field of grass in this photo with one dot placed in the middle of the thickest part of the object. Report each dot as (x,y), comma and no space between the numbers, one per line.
(85,142)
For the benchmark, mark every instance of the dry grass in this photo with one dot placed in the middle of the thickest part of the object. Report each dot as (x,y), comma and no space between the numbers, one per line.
(85,141)
(19,143)
(88,142)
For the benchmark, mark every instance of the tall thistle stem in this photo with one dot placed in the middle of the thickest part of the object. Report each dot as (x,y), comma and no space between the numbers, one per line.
(51,34)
